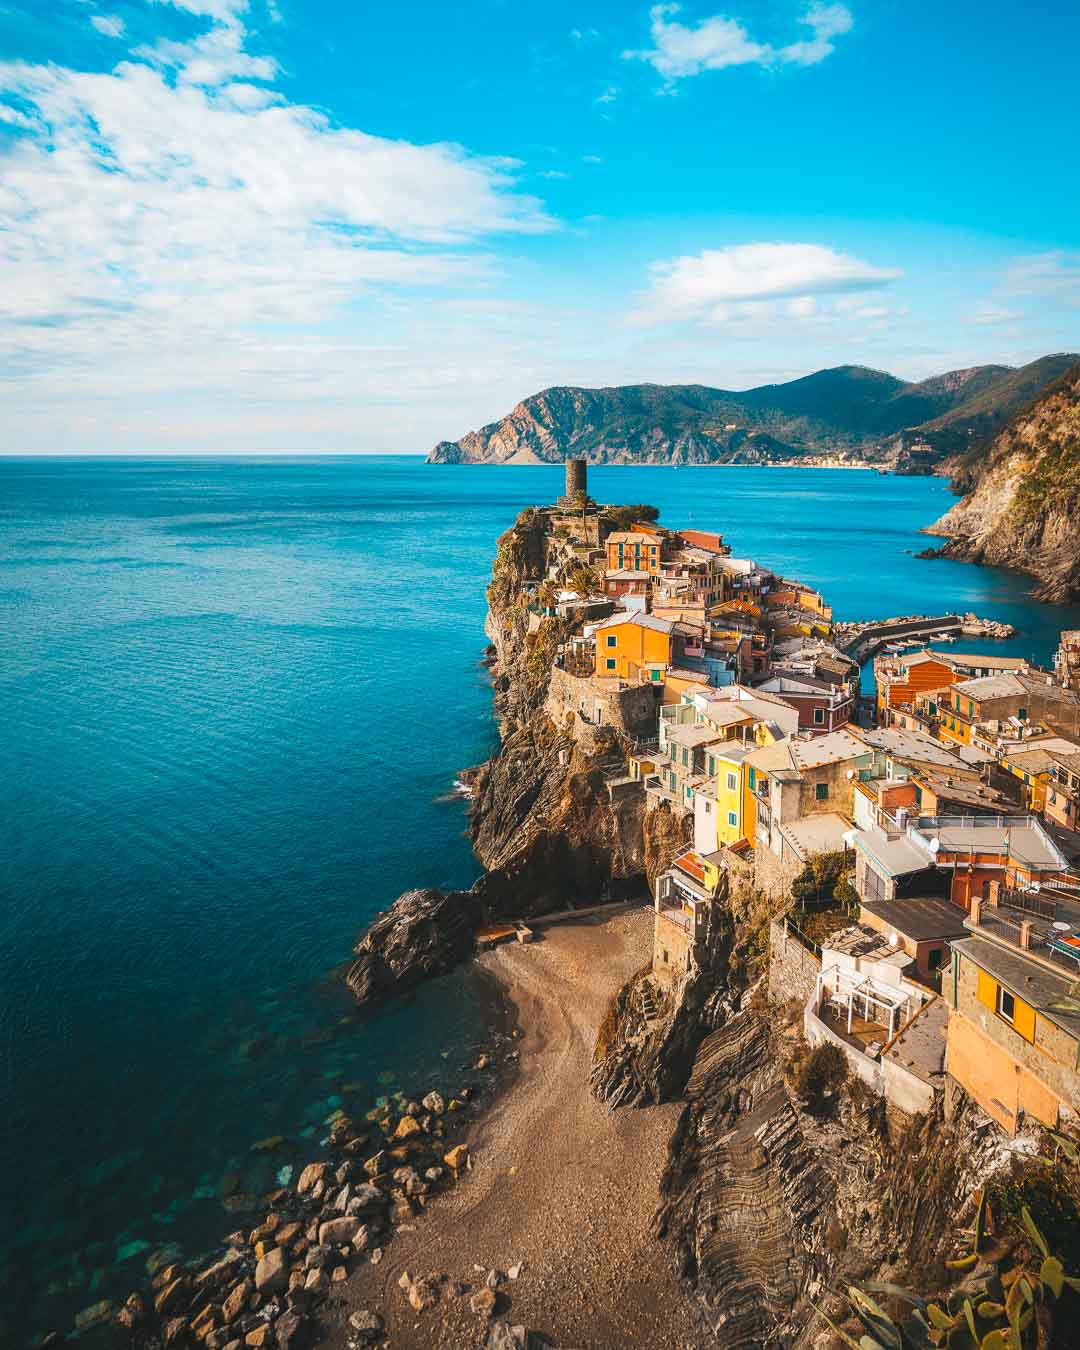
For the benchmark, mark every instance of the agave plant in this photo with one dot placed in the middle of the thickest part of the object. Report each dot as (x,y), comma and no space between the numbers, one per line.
(1011,1309)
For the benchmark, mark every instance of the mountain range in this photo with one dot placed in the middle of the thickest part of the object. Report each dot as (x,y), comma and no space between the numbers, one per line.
(847,412)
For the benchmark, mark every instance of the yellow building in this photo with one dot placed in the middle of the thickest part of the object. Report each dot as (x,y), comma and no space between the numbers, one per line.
(633,647)
(1036,769)
(735,810)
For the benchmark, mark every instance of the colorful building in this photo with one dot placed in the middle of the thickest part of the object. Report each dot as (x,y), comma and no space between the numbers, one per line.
(634,550)
(628,643)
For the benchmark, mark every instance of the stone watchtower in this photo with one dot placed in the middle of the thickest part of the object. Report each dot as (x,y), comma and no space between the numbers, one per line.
(576,482)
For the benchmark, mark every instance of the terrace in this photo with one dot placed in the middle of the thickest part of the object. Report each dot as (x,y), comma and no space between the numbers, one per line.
(1045,925)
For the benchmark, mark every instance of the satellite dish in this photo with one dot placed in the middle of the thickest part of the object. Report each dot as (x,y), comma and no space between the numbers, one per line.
(935,846)
(850,774)
(849,838)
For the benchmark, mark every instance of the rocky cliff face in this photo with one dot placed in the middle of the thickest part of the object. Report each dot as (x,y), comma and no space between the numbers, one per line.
(542,821)
(849,410)
(1022,495)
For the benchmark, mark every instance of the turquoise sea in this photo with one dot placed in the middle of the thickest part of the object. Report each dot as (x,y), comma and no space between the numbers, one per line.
(234,697)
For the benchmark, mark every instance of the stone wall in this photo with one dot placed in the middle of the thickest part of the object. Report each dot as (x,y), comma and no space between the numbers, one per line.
(772,875)
(581,704)
(793,970)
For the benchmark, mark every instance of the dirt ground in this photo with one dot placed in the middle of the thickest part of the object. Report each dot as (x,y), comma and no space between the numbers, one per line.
(560,1184)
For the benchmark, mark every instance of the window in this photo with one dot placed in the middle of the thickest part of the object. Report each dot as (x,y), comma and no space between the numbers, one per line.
(732,782)
(971,708)
(732,818)
(712,764)
(1022,714)
(821,792)
(612,640)
(1006,1004)
(753,778)
(610,663)
(708,808)
(656,674)
(935,958)
(819,716)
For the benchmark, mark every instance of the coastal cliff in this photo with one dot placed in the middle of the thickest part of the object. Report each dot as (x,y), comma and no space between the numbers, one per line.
(543,822)
(846,413)
(1022,494)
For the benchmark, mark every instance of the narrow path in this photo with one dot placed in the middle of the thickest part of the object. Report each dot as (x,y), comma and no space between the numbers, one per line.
(560,1184)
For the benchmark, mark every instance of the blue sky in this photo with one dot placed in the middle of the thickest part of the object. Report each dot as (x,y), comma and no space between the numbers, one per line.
(293,225)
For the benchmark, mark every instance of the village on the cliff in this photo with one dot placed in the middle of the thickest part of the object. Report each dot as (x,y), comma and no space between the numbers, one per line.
(941,949)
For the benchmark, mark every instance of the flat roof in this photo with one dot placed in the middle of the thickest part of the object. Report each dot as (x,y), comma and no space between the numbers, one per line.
(1042,988)
(920,1045)
(895,855)
(1021,837)
(822,833)
(920,919)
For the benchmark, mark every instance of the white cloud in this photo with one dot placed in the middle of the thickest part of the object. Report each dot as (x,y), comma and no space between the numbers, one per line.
(157,216)
(110,25)
(704,286)
(989,315)
(592,159)
(553,173)
(1055,274)
(608,95)
(716,43)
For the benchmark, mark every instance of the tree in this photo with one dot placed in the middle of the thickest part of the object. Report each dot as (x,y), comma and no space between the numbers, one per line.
(822,1075)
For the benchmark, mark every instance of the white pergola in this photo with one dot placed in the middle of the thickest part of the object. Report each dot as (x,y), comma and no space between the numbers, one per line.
(846,989)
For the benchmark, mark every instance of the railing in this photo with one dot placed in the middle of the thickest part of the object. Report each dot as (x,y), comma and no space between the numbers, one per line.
(1030,904)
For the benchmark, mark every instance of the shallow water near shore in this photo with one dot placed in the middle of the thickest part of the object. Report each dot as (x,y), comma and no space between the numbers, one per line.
(236,695)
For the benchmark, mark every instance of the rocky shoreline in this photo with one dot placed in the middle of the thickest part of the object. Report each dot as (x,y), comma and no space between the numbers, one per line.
(278,1285)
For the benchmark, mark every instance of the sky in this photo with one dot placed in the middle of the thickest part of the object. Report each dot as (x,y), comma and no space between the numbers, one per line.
(307,226)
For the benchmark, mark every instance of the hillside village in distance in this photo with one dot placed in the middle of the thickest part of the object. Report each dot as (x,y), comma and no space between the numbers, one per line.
(938,947)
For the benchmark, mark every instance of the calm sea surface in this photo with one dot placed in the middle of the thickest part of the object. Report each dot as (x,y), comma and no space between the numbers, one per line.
(234,696)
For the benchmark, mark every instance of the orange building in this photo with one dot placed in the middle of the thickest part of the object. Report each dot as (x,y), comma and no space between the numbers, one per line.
(634,646)
(900,680)
(634,550)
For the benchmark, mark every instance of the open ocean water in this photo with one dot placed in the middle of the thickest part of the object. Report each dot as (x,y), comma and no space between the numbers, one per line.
(234,696)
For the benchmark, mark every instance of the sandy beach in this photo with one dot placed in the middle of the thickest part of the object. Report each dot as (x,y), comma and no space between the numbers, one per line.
(560,1184)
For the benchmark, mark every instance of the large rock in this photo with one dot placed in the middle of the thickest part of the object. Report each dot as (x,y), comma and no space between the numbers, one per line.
(336,1232)
(367,1325)
(503,1336)
(311,1174)
(423,933)
(272,1273)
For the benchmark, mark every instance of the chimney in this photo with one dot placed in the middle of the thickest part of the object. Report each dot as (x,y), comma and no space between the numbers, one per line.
(1025,934)
(975,913)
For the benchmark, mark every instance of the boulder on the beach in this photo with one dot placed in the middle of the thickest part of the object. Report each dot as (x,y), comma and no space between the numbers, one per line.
(368,1198)
(483,1302)
(336,1232)
(457,1159)
(407,1126)
(312,1173)
(434,1103)
(503,1336)
(272,1273)
(367,1325)
(235,1300)
(422,1294)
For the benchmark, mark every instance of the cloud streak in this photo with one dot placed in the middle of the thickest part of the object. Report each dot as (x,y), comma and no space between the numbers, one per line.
(716,284)
(680,50)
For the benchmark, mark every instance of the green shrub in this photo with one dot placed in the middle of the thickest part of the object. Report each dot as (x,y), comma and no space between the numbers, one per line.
(822,1075)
